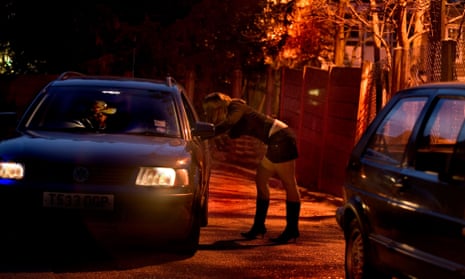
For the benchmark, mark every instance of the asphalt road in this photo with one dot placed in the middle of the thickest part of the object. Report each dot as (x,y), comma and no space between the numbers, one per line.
(318,253)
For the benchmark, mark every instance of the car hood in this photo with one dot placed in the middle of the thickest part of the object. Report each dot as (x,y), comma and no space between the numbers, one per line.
(95,149)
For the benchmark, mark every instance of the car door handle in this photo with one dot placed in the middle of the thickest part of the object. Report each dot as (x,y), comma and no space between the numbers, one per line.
(395,181)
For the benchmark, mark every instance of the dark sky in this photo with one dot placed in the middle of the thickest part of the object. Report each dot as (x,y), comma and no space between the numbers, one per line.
(163,11)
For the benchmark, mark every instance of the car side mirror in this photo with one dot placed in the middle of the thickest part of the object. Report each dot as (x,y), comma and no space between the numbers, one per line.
(8,122)
(204,130)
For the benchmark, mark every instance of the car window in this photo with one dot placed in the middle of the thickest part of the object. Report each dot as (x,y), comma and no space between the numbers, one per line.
(391,137)
(438,139)
(189,110)
(130,111)
(456,170)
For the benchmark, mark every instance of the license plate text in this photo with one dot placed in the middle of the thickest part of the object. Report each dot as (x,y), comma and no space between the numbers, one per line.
(78,201)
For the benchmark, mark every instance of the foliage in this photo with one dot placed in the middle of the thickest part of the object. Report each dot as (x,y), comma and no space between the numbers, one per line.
(211,38)
(296,33)
(395,25)
(50,36)
(212,43)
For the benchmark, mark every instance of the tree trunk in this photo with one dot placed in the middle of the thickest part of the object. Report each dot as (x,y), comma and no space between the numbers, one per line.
(269,94)
(377,57)
(237,84)
(401,75)
(339,48)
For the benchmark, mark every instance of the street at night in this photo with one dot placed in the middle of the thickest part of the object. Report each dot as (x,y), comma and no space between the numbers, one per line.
(223,253)
(138,138)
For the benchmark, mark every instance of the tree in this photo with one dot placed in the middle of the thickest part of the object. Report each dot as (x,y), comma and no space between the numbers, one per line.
(51,37)
(398,27)
(213,43)
(296,33)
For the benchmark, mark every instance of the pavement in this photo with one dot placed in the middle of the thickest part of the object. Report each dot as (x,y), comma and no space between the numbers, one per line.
(315,205)
(274,183)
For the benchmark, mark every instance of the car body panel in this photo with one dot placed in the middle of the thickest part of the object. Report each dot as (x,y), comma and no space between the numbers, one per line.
(97,148)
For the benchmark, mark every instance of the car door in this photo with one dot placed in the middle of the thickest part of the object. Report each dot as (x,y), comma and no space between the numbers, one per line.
(201,148)
(431,229)
(380,175)
(201,157)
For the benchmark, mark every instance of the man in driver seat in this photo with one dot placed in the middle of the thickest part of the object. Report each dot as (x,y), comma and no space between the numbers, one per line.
(98,114)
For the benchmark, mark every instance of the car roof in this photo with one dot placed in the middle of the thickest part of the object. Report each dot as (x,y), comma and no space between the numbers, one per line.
(440,85)
(77,79)
(433,89)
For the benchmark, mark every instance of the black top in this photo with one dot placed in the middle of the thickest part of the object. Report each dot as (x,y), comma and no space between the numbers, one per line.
(244,120)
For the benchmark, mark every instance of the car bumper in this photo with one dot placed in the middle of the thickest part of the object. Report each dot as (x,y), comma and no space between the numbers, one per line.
(133,214)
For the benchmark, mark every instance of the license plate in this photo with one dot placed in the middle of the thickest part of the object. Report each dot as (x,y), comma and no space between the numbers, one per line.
(77,201)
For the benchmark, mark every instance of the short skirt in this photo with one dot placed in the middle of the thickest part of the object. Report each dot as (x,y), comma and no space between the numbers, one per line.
(282,146)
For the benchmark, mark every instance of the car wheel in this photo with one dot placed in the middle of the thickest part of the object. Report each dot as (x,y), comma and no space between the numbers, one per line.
(357,265)
(191,244)
(204,211)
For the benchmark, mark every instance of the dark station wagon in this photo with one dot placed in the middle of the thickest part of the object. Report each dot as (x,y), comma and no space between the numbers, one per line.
(140,171)
(404,194)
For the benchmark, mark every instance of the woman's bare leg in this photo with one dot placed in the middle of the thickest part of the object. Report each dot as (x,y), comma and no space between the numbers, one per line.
(286,173)
(264,171)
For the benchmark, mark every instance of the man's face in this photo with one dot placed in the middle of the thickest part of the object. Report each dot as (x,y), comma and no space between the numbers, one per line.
(97,114)
(100,117)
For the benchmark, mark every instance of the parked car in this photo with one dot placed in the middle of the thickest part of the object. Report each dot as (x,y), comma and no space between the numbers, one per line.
(404,193)
(121,156)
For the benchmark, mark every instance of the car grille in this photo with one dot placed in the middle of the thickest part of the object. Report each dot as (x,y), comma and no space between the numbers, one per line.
(60,173)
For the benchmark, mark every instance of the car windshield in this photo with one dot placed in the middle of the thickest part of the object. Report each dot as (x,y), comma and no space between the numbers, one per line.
(90,109)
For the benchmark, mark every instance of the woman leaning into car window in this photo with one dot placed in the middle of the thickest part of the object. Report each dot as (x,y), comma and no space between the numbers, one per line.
(236,118)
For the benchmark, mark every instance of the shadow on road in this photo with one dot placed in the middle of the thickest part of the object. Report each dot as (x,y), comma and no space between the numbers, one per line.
(73,255)
(234,244)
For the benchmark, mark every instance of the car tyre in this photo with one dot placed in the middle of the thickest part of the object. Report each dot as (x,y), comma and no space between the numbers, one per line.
(204,211)
(357,264)
(191,244)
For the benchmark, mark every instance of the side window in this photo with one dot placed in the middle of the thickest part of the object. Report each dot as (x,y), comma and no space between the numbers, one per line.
(438,140)
(189,111)
(391,137)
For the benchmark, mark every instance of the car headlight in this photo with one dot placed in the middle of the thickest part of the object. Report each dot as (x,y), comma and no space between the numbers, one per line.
(156,176)
(9,170)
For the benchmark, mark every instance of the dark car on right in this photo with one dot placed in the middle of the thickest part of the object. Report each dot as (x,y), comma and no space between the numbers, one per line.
(403,214)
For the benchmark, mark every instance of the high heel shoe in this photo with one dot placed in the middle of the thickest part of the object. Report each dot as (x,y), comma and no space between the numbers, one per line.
(254,232)
(258,227)
(291,231)
(286,236)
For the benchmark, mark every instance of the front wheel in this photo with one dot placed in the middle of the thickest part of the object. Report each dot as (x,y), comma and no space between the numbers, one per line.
(191,244)
(204,209)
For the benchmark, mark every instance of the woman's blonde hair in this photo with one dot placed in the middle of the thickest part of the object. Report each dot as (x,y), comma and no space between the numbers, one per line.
(216,99)
(215,103)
